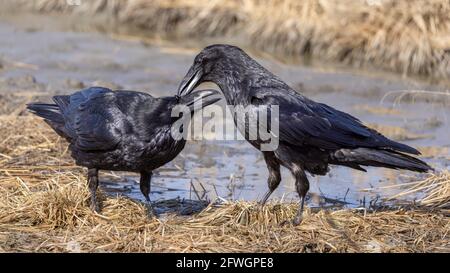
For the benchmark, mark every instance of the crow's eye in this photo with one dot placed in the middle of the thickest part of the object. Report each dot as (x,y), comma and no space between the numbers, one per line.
(199,59)
(202,60)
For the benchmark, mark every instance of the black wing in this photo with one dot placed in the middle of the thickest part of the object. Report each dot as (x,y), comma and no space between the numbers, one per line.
(94,117)
(305,122)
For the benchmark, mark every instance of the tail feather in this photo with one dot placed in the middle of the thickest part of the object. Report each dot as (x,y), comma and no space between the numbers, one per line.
(62,102)
(378,158)
(402,148)
(50,112)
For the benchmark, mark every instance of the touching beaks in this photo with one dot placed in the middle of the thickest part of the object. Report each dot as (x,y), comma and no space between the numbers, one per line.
(190,81)
(204,95)
(200,99)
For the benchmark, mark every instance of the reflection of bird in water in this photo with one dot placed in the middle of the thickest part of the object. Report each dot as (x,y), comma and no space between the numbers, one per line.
(311,135)
(119,130)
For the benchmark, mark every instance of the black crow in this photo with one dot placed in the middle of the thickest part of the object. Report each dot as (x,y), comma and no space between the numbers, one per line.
(311,135)
(119,130)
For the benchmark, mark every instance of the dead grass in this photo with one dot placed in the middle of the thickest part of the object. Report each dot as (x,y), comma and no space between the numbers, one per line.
(411,37)
(436,188)
(44,208)
(377,110)
(414,96)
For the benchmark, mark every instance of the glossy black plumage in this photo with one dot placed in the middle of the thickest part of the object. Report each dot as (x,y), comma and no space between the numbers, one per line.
(119,130)
(312,135)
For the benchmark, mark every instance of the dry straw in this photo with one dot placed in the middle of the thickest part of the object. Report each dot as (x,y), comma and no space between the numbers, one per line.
(408,36)
(436,190)
(44,208)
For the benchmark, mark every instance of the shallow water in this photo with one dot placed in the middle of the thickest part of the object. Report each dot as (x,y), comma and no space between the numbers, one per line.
(42,61)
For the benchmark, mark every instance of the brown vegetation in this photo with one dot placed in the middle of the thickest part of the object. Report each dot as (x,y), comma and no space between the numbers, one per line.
(44,208)
(411,37)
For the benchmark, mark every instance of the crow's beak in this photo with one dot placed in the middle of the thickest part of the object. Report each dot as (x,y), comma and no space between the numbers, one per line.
(200,99)
(190,81)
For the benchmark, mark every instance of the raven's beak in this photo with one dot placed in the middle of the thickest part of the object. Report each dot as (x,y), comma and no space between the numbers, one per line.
(201,99)
(190,81)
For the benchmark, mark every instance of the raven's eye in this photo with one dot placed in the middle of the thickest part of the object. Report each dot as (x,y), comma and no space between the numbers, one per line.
(203,59)
(199,59)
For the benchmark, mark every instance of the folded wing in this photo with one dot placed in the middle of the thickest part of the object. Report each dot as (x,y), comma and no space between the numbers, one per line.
(305,122)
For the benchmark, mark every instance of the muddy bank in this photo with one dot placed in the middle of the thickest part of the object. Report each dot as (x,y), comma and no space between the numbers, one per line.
(409,37)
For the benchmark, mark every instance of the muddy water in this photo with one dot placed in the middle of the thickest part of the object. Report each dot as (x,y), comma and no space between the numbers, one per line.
(44,60)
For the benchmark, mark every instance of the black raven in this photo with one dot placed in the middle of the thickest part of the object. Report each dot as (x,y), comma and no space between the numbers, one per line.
(119,130)
(311,136)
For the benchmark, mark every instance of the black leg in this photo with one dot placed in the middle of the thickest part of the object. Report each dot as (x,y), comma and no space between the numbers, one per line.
(93,185)
(302,187)
(274,174)
(144,184)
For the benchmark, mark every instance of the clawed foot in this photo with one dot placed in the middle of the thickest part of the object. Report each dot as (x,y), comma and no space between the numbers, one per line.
(150,211)
(295,222)
(95,206)
(261,203)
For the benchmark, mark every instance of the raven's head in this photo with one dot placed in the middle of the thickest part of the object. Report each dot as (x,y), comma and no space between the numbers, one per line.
(216,63)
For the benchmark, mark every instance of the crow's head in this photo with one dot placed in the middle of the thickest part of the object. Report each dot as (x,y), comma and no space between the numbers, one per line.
(214,64)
